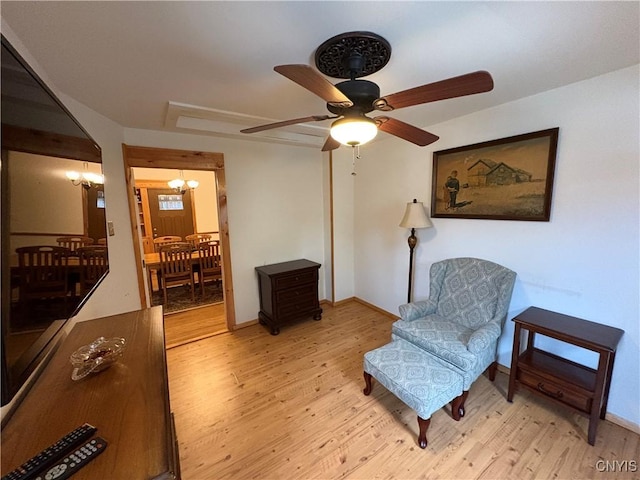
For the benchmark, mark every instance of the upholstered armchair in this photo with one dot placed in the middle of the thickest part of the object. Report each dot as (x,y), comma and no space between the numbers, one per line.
(462,319)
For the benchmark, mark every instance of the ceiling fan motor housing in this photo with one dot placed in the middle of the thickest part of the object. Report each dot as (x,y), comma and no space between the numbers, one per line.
(361,92)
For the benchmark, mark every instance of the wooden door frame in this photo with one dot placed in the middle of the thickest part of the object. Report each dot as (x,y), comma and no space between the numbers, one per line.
(151,157)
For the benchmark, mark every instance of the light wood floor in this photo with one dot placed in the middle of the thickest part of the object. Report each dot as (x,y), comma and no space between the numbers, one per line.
(249,405)
(194,324)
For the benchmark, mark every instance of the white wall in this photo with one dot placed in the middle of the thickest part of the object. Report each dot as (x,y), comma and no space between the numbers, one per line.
(61,214)
(274,202)
(118,293)
(584,262)
(344,240)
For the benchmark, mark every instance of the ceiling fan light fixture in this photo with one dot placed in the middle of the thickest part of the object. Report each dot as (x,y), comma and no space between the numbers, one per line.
(354,131)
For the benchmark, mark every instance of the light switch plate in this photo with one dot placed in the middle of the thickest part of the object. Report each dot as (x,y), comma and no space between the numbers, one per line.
(110,229)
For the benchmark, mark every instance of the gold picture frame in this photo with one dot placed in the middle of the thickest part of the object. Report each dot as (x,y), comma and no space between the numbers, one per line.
(506,179)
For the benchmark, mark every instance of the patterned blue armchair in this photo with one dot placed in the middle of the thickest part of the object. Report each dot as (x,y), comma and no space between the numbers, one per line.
(462,319)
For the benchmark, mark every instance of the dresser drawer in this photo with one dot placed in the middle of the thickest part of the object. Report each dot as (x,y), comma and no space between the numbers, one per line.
(296,294)
(555,390)
(300,307)
(288,281)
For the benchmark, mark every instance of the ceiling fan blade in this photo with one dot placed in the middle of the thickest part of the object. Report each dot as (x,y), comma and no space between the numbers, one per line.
(310,79)
(469,84)
(260,128)
(330,144)
(405,131)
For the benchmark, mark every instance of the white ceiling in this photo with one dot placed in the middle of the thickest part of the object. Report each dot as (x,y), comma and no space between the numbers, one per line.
(130,60)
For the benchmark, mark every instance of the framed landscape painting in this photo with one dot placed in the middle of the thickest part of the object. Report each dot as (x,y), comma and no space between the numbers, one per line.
(506,179)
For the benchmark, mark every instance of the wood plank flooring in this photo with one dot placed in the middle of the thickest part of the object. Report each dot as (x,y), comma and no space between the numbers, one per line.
(194,324)
(249,405)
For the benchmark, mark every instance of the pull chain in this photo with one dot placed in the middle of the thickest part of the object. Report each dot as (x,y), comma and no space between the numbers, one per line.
(356,156)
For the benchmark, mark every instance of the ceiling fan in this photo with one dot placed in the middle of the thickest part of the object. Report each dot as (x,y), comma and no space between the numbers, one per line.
(357,54)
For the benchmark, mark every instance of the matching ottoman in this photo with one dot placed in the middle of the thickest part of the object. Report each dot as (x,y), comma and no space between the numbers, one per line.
(420,380)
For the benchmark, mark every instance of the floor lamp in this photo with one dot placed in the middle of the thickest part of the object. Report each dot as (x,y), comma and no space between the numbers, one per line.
(414,217)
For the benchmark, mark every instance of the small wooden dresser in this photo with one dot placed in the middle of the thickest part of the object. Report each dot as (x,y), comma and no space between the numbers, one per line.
(288,290)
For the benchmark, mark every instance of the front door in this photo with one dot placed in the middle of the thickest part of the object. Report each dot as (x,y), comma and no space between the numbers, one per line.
(171,213)
(96,220)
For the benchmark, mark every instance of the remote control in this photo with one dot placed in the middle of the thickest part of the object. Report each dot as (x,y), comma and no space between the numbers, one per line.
(75,461)
(52,454)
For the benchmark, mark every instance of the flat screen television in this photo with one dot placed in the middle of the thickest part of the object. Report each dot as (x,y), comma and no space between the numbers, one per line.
(41,142)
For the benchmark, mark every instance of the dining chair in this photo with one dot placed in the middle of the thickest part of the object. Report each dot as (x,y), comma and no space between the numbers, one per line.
(210,263)
(43,272)
(94,263)
(74,242)
(196,239)
(102,241)
(176,268)
(159,242)
(215,236)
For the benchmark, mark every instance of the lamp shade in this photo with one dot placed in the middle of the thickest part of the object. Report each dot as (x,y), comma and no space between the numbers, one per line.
(415,216)
(176,183)
(354,131)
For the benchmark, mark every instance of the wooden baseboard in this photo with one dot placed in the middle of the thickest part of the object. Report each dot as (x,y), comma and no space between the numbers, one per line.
(242,325)
(377,309)
(362,302)
(635,428)
(339,302)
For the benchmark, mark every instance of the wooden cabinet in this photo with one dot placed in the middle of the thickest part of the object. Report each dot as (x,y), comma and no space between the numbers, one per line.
(557,378)
(288,291)
(128,403)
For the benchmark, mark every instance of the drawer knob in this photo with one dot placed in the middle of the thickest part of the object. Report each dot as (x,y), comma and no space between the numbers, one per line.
(557,394)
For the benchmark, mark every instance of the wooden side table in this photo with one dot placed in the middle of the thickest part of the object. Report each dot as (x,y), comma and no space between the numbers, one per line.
(562,380)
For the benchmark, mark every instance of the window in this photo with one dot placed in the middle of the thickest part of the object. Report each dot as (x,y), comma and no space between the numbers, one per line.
(100,199)
(170,202)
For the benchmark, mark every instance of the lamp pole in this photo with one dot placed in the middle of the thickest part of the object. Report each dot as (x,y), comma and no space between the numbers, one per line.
(413,241)
(414,217)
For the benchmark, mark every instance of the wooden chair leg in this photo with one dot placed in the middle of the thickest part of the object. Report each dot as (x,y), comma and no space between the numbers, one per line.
(493,369)
(423,426)
(457,406)
(367,381)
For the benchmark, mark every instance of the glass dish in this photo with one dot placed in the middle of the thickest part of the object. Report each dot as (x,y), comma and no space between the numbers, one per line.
(97,356)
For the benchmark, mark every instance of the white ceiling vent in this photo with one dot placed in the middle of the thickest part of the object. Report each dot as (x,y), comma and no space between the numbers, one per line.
(194,119)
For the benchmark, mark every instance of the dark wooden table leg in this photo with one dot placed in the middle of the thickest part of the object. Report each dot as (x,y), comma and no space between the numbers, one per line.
(601,380)
(607,386)
(514,362)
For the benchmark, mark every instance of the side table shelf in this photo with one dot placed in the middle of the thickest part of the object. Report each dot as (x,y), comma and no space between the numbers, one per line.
(570,383)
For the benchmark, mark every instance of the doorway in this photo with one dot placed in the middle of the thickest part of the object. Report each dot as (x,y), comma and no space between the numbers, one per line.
(148,157)
(165,213)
